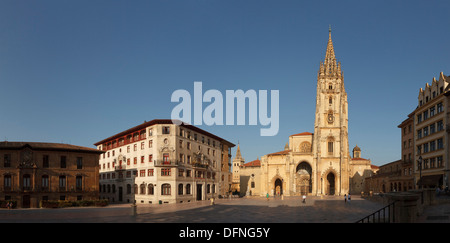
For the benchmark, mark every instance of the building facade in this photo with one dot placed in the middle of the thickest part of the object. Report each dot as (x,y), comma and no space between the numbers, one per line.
(160,162)
(431,122)
(316,163)
(32,172)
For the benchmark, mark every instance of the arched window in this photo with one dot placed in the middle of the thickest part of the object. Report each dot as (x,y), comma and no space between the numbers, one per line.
(165,189)
(180,189)
(142,187)
(150,189)
(188,189)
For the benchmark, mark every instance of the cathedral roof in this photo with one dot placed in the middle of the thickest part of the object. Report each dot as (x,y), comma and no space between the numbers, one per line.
(281,152)
(302,134)
(254,163)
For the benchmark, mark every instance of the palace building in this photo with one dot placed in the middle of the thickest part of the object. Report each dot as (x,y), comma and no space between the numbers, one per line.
(316,163)
(160,162)
(32,172)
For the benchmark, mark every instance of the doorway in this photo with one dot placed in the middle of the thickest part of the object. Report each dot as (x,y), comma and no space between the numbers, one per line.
(330,189)
(120,194)
(278,187)
(199,192)
(26,201)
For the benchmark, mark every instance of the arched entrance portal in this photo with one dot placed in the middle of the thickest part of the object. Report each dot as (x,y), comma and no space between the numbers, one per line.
(330,187)
(278,187)
(303,180)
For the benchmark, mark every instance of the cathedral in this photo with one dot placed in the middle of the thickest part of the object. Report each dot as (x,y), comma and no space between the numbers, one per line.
(316,163)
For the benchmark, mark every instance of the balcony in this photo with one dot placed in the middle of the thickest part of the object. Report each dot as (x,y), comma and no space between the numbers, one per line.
(164,163)
(120,167)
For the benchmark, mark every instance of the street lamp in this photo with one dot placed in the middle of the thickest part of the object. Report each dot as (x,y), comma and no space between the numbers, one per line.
(420,172)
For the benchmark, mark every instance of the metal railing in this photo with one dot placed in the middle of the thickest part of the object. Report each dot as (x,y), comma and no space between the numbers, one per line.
(383,215)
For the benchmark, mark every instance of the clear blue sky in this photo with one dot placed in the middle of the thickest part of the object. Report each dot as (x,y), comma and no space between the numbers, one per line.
(80,71)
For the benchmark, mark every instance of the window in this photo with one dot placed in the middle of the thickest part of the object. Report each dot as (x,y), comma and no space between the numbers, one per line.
(142,145)
(150,172)
(62,183)
(330,147)
(142,159)
(7,182)
(150,190)
(26,182)
(45,161)
(440,125)
(79,163)
(44,182)
(79,183)
(432,111)
(150,158)
(440,108)
(135,160)
(425,147)
(63,162)
(7,160)
(425,131)
(165,172)
(439,161)
(432,145)
(166,158)
(425,115)
(150,143)
(440,144)
(419,118)
(188,189)
(166,130)
(142,173)
(165,189)
(180,189)
(432,128)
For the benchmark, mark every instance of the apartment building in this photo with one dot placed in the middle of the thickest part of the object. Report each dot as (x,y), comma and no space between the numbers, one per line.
(431,139)
(160,162)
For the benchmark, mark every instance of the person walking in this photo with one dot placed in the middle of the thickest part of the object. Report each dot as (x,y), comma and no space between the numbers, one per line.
(349,197)
(345,198)
(304,198)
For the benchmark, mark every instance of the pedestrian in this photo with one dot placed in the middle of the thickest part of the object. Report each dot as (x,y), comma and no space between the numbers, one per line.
(304,198)
(267,195)
(349,197)
(345,198)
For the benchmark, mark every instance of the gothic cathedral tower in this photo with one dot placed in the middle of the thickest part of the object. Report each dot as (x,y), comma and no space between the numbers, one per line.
(330,145)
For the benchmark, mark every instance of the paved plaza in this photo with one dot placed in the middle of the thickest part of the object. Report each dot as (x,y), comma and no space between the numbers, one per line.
(329,209)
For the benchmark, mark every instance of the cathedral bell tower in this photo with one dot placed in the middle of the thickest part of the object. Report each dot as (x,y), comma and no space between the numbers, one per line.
(330,146)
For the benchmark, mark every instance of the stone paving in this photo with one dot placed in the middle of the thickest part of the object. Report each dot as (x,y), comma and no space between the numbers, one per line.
(328,209)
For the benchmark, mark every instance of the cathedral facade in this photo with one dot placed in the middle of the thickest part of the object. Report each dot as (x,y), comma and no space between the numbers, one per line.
(316,163)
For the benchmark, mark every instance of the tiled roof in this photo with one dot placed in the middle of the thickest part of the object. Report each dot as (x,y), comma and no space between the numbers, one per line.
(302,134)
(162,121)
(6,145)
(253,163)
(281,152)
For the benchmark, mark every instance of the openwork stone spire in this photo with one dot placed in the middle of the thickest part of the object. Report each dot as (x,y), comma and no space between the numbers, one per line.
(329,67)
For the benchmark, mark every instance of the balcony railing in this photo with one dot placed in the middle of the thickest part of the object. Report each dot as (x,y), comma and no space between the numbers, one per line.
(167,163)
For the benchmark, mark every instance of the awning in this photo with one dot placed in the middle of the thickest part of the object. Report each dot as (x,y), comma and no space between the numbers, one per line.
(430,180)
